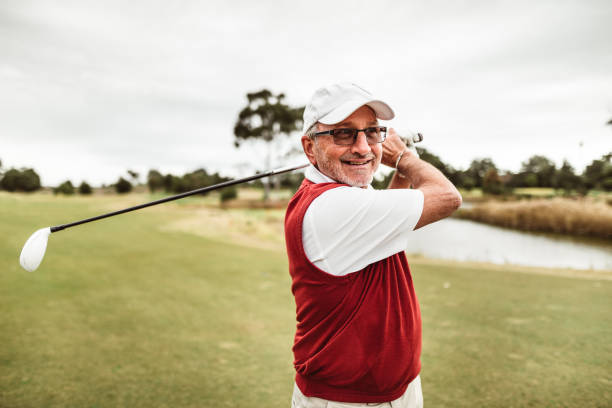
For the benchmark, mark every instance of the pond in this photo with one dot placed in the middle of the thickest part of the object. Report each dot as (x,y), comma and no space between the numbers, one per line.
(463,240)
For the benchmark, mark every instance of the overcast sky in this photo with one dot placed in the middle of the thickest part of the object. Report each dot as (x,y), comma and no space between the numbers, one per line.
(89,89)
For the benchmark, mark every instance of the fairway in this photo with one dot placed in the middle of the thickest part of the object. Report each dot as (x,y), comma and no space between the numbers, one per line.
(182,305)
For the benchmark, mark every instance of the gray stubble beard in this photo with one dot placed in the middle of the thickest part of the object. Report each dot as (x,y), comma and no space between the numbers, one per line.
(334,171)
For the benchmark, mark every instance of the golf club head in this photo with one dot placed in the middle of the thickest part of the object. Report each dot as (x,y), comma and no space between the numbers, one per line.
(34,249)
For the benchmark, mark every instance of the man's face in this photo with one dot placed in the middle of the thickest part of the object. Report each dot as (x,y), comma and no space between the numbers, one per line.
(353,165)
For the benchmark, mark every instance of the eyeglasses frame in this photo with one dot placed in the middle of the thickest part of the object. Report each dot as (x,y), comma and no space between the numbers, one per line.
(357,131)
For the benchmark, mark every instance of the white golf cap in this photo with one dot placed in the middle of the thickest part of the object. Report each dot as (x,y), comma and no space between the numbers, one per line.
(334,103)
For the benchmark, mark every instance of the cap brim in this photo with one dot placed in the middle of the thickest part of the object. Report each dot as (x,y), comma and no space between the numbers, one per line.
(381,109)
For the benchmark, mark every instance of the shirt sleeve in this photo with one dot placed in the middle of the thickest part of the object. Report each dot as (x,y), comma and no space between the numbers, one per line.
(347,228)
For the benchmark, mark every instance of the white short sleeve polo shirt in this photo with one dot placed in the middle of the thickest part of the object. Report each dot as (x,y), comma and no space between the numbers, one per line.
(347,228)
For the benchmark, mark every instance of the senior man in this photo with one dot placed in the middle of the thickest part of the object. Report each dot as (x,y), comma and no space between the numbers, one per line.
(358,337)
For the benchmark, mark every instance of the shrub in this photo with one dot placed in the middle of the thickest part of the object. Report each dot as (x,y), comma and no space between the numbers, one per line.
(65,188)
(229,193)
(123,186)
(155,180)
(491,183)
(85,188)
(20,180)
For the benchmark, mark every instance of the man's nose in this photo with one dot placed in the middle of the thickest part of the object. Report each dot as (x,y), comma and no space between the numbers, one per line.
(361,145)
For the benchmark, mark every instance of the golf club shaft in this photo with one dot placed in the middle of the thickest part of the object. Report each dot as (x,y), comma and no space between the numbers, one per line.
(415,139)
(182,195)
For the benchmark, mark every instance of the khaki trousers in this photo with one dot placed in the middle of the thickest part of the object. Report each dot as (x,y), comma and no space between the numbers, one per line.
(412,398)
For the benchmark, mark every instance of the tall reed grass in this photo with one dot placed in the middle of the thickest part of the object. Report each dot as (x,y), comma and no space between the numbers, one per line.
(583,217)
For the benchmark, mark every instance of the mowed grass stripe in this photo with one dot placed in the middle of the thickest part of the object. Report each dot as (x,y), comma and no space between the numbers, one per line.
(126,313)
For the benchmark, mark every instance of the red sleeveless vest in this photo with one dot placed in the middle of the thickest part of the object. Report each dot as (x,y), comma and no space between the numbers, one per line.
(358,336)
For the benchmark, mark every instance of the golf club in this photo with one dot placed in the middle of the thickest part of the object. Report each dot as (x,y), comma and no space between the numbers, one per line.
(34,249)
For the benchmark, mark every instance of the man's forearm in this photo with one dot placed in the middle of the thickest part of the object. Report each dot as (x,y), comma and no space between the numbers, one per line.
(416,172)
(441,197)
(398,181)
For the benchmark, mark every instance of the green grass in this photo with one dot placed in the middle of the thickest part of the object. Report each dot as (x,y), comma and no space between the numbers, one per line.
(535,191)
(474,193)
(499,339)
(128,313)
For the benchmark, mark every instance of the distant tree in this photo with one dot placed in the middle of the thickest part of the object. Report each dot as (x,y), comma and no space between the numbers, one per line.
(506,178)
(529,180)
(478,168)
(20,180)
(598,174)
(170,182)
(228,193)
(10,180)
(155,180)
(491,182)
(30,181)
(189,181)
(265,118)
(123,186)
(543,168)
(463,179)
(196,179)
(85,189)
(65,188)
(435,161)
(566,179)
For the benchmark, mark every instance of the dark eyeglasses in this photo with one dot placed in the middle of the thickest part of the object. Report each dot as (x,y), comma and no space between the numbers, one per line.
(346,136)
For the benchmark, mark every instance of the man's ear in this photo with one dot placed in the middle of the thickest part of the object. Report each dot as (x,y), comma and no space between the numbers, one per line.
(308,146)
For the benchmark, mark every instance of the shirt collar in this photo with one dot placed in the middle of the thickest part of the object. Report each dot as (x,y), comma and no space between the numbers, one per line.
(313,174)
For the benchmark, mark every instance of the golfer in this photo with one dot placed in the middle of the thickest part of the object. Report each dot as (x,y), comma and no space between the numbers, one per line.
(358,336)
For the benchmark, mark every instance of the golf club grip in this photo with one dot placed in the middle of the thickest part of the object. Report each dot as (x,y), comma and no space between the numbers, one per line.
(414,138)
(179,196)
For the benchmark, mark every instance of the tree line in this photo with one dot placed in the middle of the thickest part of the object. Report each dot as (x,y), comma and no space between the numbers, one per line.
(27,180)
(180,184)
(536,171)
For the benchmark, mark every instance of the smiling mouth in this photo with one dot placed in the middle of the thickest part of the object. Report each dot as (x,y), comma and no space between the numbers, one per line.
(356,162)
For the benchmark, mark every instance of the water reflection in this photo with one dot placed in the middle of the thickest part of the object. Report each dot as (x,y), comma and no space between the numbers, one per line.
(464,240)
